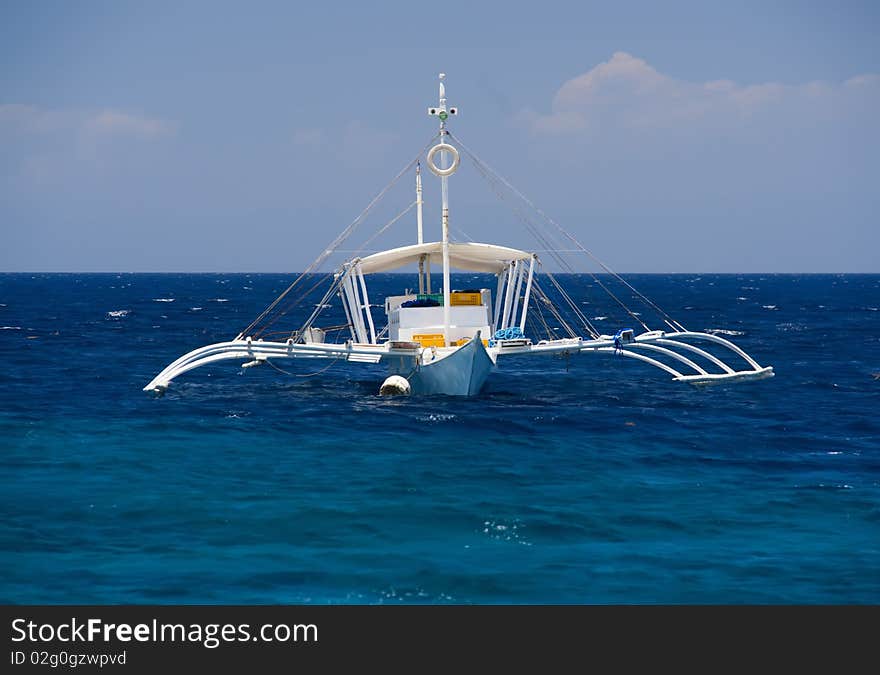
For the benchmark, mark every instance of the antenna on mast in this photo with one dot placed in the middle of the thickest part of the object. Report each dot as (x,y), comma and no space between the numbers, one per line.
(441,111)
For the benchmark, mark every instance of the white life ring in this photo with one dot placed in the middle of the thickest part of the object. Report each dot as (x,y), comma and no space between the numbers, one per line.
(443,147)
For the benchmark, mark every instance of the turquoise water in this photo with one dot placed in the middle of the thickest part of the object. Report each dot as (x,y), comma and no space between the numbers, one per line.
(585,480)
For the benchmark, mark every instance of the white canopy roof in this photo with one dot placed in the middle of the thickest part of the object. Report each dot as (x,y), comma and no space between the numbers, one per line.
(469,256)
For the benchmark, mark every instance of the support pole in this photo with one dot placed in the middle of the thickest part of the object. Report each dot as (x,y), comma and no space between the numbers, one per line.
(521,265)
(357,314)
(366,305)
(499,302)
(428,274)
(508,295)
(525,309)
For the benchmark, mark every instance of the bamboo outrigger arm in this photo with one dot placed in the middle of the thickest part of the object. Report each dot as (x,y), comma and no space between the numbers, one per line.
(693,364)
(259,351)
(699,366)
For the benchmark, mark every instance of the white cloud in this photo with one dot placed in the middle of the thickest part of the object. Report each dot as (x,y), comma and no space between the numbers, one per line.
(115,123)
(311,137)
(25,120)
(866,80)
(627,92)
(618,79)
(29,119)
(55,146)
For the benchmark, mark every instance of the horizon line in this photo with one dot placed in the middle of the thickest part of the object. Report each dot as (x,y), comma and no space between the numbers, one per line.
(602,273)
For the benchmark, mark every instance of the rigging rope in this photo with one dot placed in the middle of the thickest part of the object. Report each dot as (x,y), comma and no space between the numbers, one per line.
(488,173)
(574,308)
(323,370)
(385,227)
(293,303)
(553,310)
(333,287)
(340,239)
(549,247)
(526,221)
(540,313)
(667,318)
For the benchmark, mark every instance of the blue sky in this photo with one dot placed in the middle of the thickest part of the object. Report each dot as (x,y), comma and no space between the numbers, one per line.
(211,136)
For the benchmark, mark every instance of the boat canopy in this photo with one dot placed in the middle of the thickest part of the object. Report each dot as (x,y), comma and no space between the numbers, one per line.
(470,256)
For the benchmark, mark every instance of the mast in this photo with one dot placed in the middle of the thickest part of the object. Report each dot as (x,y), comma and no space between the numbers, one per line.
(444,182)
(444,172)
(419,201)
(421,238)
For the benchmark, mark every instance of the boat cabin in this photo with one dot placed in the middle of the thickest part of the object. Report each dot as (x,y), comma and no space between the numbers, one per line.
(447,318)
(419,317)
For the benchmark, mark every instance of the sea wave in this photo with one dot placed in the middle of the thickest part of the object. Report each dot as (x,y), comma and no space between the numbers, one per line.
(163,299)
(723,331)
(436,417)
(117,313)
(510,530)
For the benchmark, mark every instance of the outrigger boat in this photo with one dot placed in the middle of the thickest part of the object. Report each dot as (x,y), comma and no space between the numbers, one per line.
(450,341)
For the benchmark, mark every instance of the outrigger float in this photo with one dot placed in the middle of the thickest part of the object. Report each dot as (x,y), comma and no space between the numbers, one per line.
(449,342)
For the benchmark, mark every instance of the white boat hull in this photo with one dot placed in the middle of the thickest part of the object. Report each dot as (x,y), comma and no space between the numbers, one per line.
(460,373)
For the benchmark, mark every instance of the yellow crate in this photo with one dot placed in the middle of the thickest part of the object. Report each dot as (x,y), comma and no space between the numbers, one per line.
(465,299)
(464,341)
(429,339)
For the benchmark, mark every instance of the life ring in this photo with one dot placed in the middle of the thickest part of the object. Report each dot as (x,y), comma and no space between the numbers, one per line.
(443,147)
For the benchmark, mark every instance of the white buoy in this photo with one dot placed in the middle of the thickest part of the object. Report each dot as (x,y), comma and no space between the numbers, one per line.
(395,385)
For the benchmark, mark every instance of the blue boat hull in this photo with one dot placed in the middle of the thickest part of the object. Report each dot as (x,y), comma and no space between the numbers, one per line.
(462,373)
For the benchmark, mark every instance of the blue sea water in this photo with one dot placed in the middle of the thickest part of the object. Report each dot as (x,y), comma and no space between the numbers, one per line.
(592,479)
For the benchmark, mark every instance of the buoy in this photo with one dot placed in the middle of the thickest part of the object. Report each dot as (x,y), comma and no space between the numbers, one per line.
(443,147)
(395,385)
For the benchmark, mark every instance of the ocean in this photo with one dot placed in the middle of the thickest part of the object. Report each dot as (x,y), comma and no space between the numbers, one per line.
(591,479)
